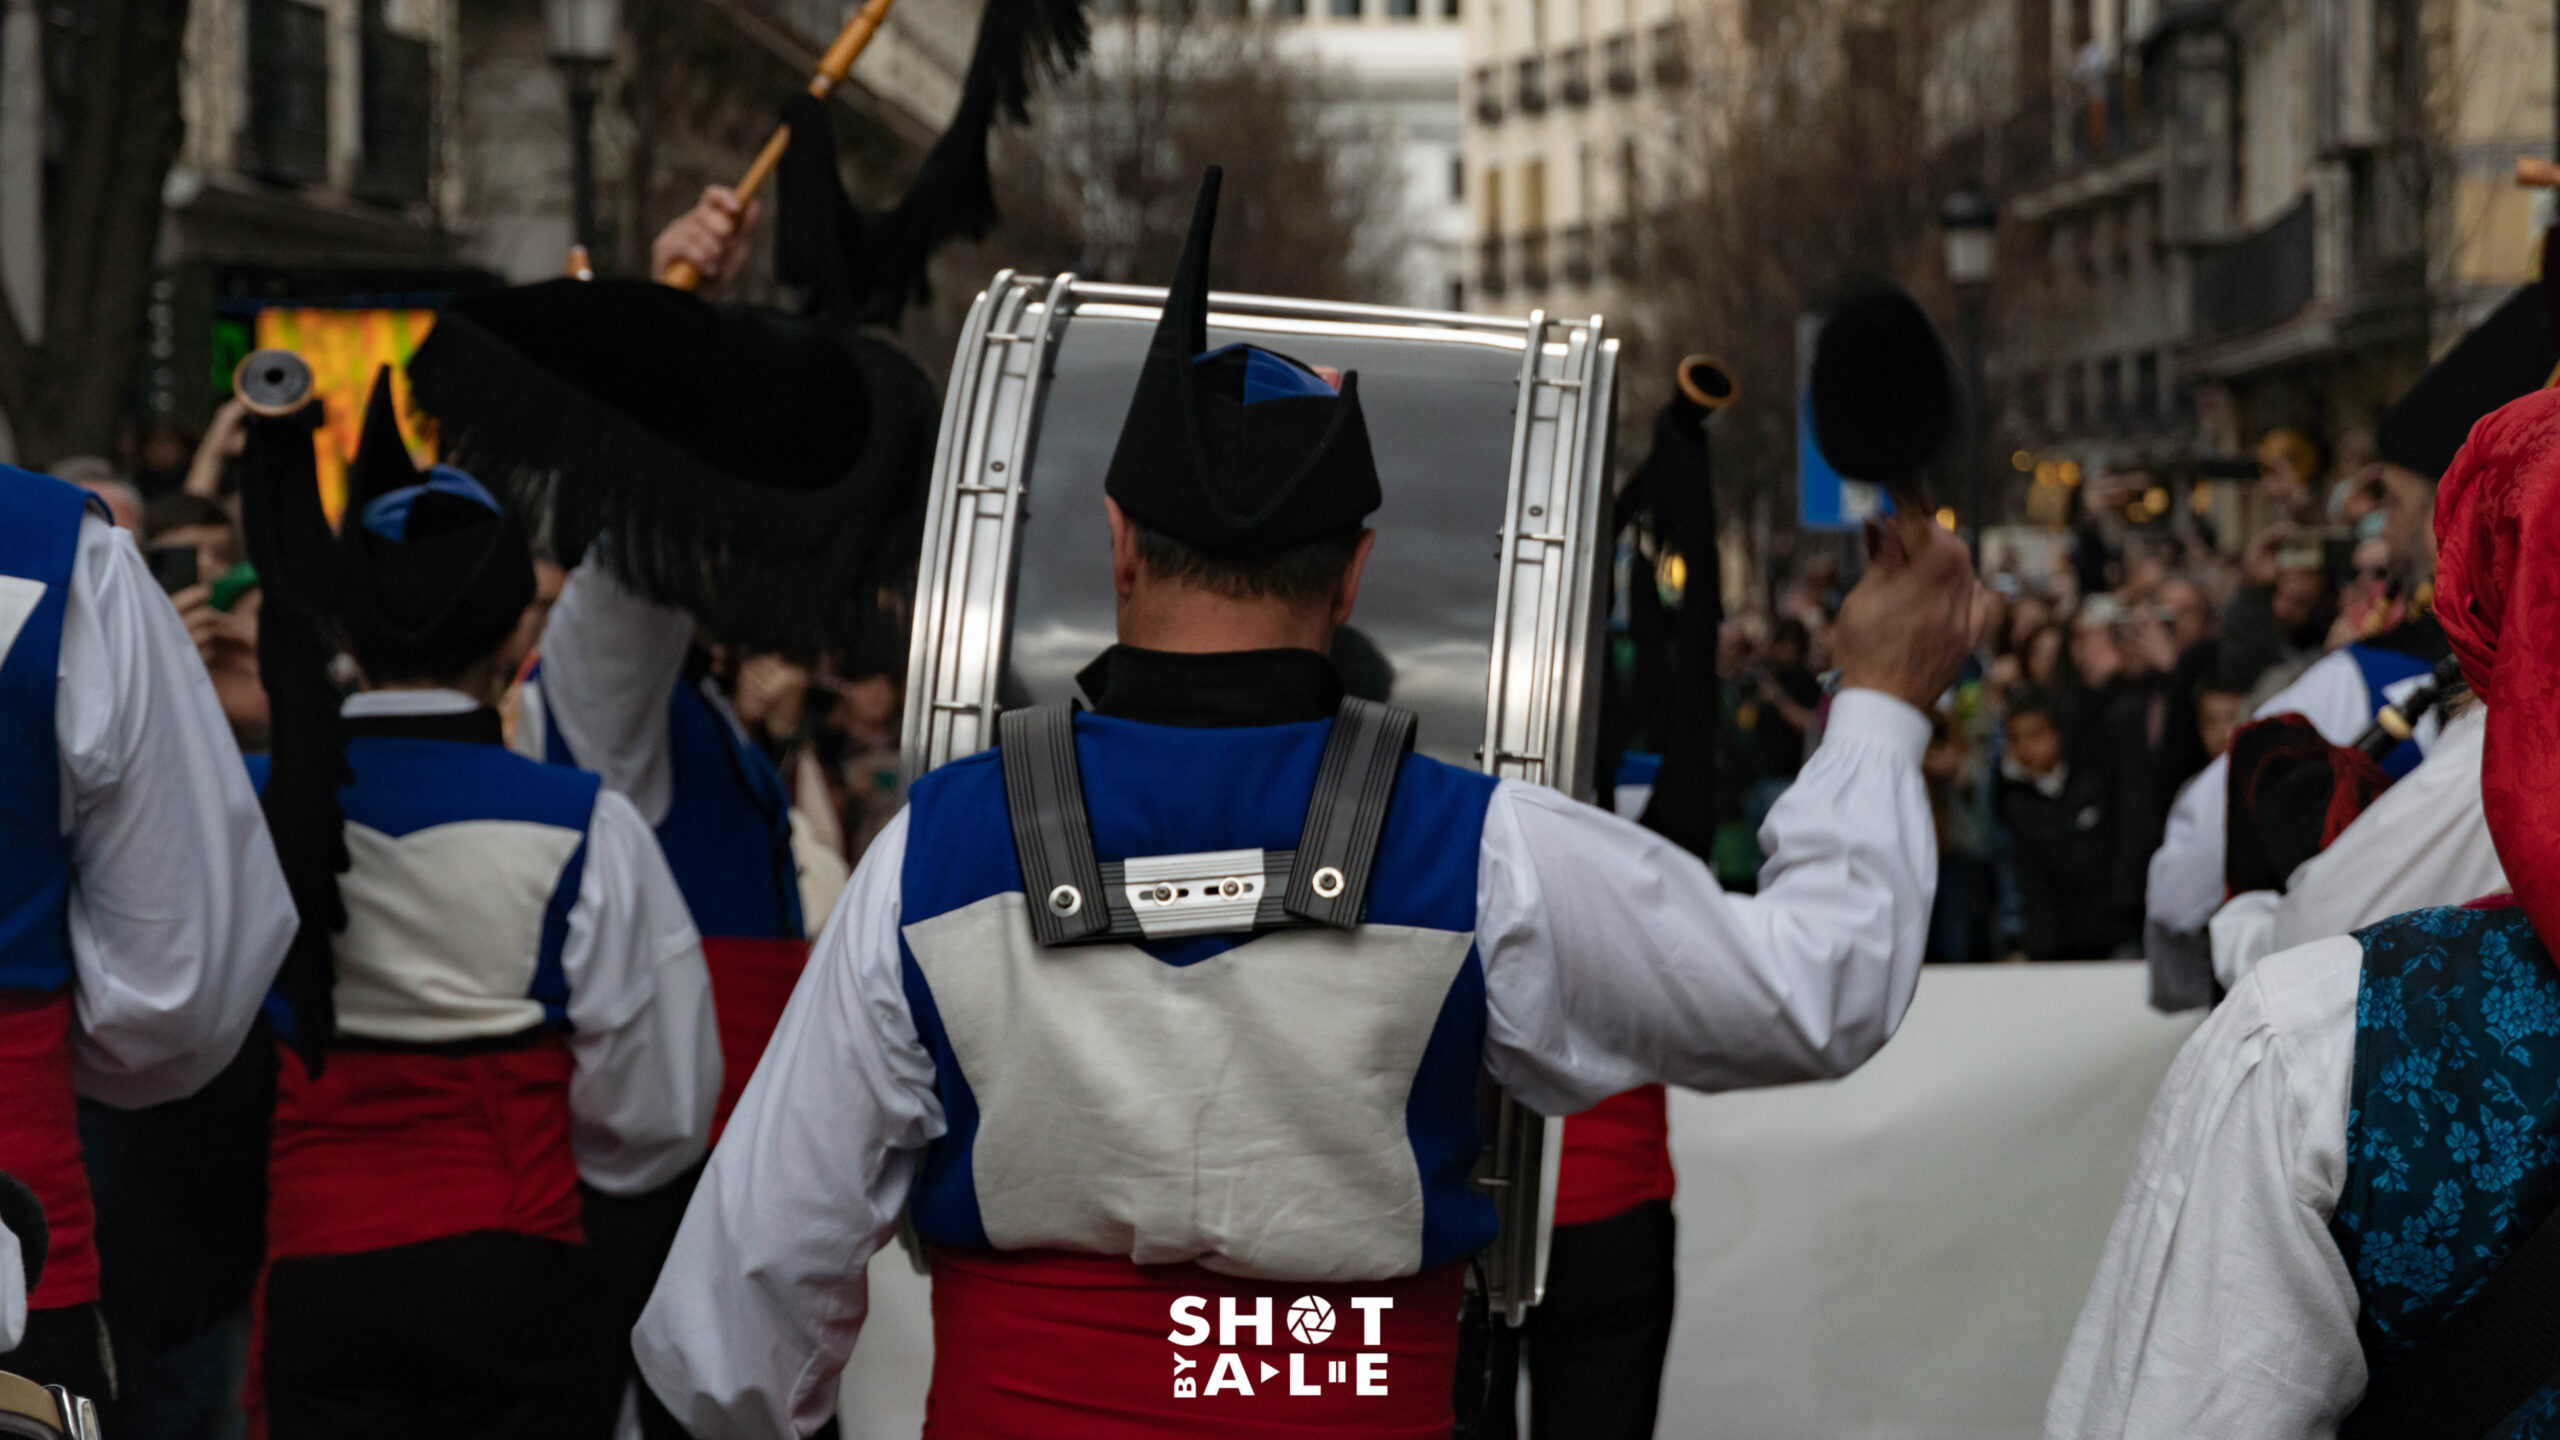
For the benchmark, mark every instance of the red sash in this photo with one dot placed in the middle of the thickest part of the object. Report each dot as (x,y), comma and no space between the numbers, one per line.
(395,1147)
(1617,1156)
(1046,1345)
(40,1139)
(751,981)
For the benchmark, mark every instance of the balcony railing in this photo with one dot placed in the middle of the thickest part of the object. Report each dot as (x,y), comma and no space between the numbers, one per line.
(1573,73)
(1620,54)
(1577,254)
(1533,260)
(1488,97)
(1625,249)
(1671,53)
(2253,283)
(1489,267)
(1532,94)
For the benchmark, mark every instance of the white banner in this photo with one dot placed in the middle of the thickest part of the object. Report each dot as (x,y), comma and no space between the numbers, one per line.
(1895,1256)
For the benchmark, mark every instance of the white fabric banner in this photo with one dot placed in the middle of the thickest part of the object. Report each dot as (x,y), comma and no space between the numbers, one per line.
(1895,1256)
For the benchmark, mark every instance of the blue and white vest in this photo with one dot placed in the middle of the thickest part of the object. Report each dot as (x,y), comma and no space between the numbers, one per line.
(466,860)
(1297,1105)
(727,830)
(2453,1128)
(39,538)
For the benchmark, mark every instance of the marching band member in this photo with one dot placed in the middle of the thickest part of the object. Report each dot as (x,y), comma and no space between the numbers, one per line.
(2341,1173)
(516,1004)
(1102,1145)
(142,911)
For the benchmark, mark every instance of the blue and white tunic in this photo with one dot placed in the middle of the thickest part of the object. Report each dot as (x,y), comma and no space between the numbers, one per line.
(1292,1105)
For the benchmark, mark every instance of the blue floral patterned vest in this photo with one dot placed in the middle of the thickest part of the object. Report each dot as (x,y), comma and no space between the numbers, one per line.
(2453,1134)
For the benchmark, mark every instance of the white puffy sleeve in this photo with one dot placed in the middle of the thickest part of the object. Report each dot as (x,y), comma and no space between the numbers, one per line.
(642,1034)
(179,914)
(1612,958)
(2222,1309)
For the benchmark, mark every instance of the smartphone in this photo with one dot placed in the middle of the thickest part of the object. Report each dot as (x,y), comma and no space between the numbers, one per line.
(174,566)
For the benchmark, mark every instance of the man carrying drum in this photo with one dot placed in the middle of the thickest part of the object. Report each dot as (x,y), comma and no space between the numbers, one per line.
(1186,1125)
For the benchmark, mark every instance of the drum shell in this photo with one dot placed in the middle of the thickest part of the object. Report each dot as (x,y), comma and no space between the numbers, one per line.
(1482,607)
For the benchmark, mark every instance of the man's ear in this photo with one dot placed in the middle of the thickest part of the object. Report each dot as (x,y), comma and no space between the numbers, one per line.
(1124,549)
(1349,593)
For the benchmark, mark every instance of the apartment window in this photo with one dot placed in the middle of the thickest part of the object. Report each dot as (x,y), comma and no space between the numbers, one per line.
(287,137)
(1573,65)
(1492,201)
(398,115)
(1670,53)
(1346,9)
(1457,179)
(1449,9)
(1288,9)
(2146,386)
(1488,95)
(1458,294)
(1533,85)
(1403,9)
(1620,53)
(2111,388)
(1229,9)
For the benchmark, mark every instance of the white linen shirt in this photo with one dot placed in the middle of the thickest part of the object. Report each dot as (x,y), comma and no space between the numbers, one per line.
(2222,1309)
(179,915)
(1611,959)
(2423,842)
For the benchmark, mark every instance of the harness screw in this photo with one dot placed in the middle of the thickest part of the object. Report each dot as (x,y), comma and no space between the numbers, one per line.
(1328,882)
(1066,900)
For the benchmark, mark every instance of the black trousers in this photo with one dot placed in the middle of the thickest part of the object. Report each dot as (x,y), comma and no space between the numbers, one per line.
(65,1347)
(488,1335)
(1594,1346)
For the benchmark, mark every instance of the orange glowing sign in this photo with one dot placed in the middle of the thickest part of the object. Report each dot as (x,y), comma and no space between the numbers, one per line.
(344,348)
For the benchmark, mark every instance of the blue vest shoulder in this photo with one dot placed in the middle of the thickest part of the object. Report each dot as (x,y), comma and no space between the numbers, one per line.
(2453,1130)
(403,785)
(39,541)
(1167,790)
(727,830)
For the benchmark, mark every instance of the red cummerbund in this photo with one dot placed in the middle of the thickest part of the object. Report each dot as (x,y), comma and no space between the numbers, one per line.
(751,981)
(1045,1345)
(396,1146)
(40,1140)
(1617,1156)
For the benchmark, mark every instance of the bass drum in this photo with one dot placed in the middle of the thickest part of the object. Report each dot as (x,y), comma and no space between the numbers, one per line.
(1481,609)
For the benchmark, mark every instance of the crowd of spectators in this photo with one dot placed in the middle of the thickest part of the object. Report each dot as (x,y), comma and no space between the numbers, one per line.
(2111,675)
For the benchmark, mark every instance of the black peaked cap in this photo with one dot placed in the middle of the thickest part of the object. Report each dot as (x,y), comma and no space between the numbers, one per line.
(1230,479)
(1884,391)
(2505,357)
(450,588)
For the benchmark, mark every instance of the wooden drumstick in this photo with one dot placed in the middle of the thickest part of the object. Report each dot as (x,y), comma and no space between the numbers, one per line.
(832,68)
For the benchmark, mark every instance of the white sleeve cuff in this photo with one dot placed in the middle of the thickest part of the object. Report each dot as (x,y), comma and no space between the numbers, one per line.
(1873,718)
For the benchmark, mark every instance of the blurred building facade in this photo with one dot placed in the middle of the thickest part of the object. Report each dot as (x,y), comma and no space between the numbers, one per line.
(1579,112)
(2225,218)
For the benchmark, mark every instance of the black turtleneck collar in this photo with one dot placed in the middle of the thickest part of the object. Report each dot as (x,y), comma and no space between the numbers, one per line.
(1215,691)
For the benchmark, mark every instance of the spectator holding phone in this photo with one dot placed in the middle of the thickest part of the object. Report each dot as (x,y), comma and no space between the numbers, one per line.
(194,550)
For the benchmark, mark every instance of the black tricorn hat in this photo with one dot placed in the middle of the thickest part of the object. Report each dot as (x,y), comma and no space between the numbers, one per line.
(2505,357)
(1242,452)
(435,571)
(1884,391)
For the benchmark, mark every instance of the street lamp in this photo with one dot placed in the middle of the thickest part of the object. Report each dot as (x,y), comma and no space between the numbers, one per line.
(582,35)
(1971,222)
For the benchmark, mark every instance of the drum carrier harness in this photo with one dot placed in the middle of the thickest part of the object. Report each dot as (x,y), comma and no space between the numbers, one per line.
(1079,900)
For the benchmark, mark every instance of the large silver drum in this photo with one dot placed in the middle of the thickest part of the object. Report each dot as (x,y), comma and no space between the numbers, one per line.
(1483,602)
